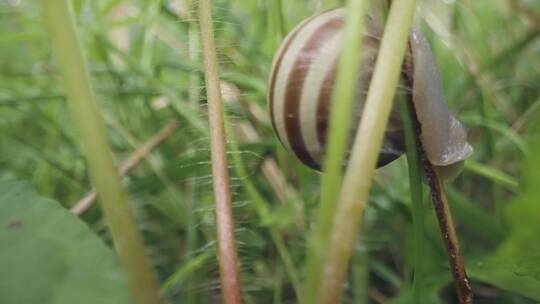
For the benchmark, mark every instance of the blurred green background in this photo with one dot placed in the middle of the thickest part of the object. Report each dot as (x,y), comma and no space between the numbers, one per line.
(145,63)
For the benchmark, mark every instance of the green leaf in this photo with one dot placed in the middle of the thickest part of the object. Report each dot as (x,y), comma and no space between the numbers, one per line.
(515,265)
(50,256)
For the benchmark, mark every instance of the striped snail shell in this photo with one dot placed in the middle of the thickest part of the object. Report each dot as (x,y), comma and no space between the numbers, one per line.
(302,80)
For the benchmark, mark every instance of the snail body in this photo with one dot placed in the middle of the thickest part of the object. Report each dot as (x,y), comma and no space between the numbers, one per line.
(301,85)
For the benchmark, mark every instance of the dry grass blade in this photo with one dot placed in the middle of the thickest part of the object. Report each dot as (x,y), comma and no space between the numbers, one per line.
(133,160)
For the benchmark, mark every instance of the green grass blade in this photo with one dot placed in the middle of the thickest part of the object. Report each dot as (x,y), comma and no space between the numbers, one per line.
(415,181)
(103,171)
(184,271)
(494,175)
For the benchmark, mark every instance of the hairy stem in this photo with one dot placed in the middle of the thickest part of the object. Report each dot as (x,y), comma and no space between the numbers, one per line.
(263,210)
(228,260)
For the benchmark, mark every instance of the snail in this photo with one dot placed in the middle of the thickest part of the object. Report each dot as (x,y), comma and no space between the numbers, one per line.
(301,84)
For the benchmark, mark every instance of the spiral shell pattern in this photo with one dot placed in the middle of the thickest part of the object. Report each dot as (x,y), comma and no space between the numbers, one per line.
(301,84)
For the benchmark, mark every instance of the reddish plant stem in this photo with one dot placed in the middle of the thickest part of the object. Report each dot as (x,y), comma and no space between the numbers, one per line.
(228,260)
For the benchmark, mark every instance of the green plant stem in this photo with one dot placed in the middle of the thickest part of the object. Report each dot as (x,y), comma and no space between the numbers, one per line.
(343,98)
(194,48)
(228,259)
(415,180)
(103,171)
(360,273)
(365,152)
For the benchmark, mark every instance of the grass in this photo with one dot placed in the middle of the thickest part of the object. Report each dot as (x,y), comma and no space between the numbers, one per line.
(146,70)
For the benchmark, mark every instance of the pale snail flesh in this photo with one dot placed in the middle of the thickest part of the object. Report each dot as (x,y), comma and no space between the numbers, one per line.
(300,92)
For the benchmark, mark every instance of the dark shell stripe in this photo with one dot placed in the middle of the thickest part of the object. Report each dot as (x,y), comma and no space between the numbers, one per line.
(275,71)
(323,105)
(295,85)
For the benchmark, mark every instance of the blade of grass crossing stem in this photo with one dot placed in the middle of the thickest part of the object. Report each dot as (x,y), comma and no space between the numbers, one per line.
(189,267)
(103,171)
(415,181)
(343,97)
(358,177)
(228,259)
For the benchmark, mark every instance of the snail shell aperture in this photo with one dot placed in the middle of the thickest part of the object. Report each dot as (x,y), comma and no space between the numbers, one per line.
(302,80)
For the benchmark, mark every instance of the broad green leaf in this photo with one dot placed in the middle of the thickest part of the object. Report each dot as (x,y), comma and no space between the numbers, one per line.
(515,265)
(50,256)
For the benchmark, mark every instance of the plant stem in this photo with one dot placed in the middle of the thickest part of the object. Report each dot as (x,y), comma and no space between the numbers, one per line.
(263,211)
(415,180)
(369,137)
(450,239)
(103,171)
(228,260)
(342,101)
(360,273)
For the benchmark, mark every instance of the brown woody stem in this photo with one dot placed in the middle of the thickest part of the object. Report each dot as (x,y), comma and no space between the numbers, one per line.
(448,231)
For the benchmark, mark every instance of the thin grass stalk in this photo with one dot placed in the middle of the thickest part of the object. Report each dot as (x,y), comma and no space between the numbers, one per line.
(276,21)
(340,120)
(189,267)
(365,152)
(140,277)
(194,48)
(191,241)
(262,207)
(194,101)
(415,181)
(228,259)
(360,273)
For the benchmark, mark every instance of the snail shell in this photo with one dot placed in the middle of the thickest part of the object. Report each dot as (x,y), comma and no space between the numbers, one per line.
(302,80)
